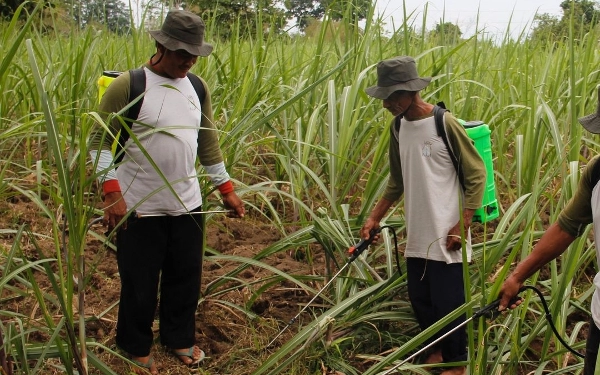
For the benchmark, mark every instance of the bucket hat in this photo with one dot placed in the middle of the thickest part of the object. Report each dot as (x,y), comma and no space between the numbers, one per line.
(398,73)
(183,30)
(592,122)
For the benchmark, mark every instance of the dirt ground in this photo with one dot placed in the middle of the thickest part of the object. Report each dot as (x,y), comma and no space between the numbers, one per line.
(233,343)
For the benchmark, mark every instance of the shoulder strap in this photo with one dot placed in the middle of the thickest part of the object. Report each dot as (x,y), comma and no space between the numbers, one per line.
(137,86)
(595,173)
(396,127)
(198,86)
(438,115)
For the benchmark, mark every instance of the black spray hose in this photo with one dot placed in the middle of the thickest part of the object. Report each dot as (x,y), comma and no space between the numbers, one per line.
(395,246)
(491,311)
(548,317)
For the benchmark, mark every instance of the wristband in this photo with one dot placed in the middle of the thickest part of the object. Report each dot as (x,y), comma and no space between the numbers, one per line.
(111,186)
(225,188)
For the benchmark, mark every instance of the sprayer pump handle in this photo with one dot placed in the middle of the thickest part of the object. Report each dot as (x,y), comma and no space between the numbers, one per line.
(355,250)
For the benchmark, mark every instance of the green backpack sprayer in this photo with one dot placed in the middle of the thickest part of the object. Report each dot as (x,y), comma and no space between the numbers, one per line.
(479,132)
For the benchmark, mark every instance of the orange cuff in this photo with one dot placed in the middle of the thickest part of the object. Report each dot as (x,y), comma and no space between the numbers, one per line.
(111,186)
(226,188)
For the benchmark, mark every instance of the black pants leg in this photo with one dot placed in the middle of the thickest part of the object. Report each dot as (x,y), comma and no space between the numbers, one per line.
(153,250)
(139,256)
(591,349)
(436,289)
(180,283)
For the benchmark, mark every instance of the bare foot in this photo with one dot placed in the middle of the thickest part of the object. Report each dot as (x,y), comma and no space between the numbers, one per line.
(189,356)
(460,370)
(144,366)
(435,357)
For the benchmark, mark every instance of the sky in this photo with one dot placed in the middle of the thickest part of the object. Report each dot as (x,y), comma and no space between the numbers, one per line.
(494,15)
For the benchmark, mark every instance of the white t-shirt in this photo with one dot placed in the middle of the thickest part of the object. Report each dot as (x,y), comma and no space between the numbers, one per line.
(432,192)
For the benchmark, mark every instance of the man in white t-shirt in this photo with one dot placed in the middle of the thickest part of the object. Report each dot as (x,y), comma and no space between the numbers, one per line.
(436,203)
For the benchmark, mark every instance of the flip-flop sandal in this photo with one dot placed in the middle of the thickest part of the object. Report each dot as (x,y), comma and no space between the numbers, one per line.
(189,353)
(145,366)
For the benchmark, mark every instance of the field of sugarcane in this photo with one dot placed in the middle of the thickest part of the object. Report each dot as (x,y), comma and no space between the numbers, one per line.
(307,149)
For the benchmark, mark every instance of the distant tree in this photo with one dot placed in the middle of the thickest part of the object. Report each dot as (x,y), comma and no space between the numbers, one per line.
(113,14)
(238,17)
(585,15)
(350,10)
(446,32)
(305,11)
(547,27)
(9,7)
(584,10)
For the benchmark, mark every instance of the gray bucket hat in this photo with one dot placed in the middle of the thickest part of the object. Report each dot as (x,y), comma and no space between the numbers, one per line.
(398,73)
(592,122)
(183,30)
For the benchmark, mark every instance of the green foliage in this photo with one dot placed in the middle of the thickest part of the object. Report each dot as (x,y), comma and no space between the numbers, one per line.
(247,18)
(303,11)
(308,150)
(581,15)
(114,14)
(9,7)
(446,32)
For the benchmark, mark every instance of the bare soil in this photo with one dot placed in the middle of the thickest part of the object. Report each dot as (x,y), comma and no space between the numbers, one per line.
(233,341)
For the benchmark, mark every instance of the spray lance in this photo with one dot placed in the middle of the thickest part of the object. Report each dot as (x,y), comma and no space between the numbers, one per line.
(354,252)
(491,311)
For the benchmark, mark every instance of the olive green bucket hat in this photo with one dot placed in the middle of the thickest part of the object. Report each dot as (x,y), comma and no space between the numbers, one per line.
(398,73)
(183,30)
(592,122)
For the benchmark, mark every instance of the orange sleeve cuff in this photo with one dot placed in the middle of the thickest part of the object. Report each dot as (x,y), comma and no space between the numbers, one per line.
(226,188)
(111,186)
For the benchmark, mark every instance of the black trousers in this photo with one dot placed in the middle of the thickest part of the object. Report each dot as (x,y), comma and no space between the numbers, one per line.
(591,349)
(159,252)
(436,289)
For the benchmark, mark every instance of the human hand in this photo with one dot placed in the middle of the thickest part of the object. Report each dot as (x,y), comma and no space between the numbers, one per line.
(232,202)
(115,210)
(453,240)
(508,293)
(370,225)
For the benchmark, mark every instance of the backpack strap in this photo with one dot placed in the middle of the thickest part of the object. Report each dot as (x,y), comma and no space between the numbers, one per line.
(198,86)
(137,86)
(596,173)
(396,128)
(438,115)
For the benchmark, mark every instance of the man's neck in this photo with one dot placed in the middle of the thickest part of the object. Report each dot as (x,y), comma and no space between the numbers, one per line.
(418,110)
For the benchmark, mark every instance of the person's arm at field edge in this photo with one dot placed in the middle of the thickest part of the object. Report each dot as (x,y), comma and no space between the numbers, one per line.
(552,244)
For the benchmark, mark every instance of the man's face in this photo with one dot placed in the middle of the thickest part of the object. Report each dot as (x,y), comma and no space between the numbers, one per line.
(398,102)
(176,64)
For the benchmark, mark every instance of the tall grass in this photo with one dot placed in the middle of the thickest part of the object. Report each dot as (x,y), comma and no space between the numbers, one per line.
(300,134)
